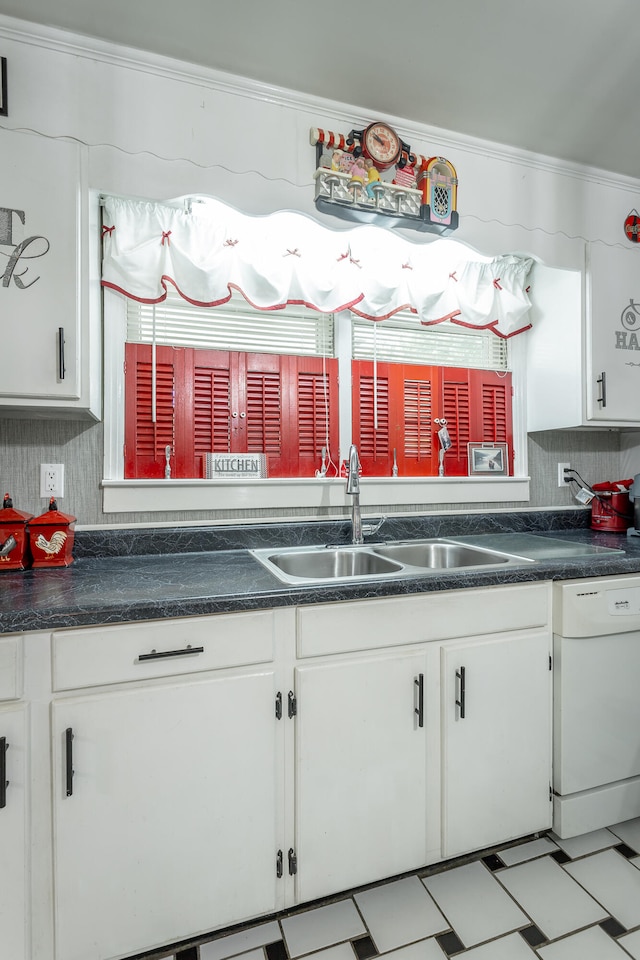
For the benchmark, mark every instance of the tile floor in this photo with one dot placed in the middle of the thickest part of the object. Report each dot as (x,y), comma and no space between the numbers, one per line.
(548,898)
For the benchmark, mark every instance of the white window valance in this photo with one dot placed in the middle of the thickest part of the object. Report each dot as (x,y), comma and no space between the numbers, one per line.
(205,250)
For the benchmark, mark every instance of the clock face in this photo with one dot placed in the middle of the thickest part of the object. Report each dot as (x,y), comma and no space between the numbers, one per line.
(381,144)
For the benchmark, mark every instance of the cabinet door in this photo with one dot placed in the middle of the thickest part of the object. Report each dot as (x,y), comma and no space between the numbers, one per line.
(170,826)
(360,772)
(614,334)
(496,750)
(39,269)
(13,876)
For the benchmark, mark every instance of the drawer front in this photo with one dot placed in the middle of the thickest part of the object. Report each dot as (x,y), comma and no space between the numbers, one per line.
(11,668)
(116,654)
(395,621)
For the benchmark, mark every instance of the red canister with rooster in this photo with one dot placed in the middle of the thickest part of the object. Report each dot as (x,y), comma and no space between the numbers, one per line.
(14,541)
(51,538)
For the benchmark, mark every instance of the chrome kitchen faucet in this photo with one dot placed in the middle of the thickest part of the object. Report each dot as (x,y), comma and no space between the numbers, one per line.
(353,489)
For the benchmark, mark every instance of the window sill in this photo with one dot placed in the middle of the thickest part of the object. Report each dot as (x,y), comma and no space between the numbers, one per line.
(144,496)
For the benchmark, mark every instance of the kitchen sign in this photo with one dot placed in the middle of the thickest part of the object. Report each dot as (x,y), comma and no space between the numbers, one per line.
(229,466)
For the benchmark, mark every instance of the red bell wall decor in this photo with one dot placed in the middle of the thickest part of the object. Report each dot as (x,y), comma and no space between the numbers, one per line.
(51,537)
(632,227)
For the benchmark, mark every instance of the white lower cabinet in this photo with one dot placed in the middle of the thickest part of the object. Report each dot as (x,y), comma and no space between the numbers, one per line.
(209,771)
(496,739)
(166,781)
(164,813)
(360,762)
(14,913)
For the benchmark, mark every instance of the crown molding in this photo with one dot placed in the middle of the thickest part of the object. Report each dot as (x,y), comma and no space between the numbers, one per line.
(441,140)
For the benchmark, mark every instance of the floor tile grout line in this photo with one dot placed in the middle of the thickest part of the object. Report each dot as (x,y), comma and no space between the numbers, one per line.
(588,892)
(572,933)
(365,924)
(593,897)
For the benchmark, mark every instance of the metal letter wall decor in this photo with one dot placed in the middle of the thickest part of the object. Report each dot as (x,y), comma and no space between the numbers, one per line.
(372,176)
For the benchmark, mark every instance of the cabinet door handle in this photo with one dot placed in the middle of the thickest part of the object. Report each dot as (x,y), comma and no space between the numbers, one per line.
(419,710)
(602,379)
(4,783)
(61,366)
(161,654)
(68,737)
(461,703)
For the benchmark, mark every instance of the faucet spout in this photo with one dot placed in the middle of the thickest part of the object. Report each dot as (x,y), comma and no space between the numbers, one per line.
(353,489)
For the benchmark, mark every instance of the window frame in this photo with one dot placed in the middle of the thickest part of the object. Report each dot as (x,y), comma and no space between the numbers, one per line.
(304,493)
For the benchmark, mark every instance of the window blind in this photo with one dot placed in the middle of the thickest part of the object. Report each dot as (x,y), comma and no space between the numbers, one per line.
(403,340)
(235,325)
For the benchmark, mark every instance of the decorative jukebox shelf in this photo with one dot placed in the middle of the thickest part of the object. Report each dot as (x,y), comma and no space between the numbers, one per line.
(349,184)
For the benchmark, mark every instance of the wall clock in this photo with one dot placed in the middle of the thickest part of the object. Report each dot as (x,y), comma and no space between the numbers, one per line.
(381,144)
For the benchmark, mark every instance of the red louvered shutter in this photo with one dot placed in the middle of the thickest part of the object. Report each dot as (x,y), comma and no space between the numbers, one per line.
(145,440)
(492,401)
(456,410)
(257,409)
(313,423)
(211,406)
(371,424)
(413,410)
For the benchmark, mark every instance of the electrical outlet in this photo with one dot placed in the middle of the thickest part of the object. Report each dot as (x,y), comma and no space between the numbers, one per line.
(52,480)
(562,479)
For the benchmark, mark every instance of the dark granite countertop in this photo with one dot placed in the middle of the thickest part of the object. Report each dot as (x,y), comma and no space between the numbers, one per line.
(124,576)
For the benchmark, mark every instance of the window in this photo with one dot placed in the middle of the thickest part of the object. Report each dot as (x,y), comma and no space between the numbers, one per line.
(313,362)
(276,392)
(398,404)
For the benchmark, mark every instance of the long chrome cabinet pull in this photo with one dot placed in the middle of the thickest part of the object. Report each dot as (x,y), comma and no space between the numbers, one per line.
(461,703)
(61,366)
(161,654)
(4,783)
(68,736)
(419,710)
(603,391)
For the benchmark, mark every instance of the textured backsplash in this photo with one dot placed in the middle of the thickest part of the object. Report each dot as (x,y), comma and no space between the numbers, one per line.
(25,444)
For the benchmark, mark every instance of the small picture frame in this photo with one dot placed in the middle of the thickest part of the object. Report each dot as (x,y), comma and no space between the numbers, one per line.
(488,460)
(4,108)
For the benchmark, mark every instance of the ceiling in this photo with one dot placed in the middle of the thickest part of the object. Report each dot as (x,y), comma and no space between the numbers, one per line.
(557,77)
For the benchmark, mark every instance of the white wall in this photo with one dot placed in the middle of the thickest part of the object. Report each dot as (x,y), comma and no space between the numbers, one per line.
(157,128)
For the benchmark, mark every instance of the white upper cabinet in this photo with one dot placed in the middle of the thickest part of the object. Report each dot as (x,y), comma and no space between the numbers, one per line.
(50,350)
(613,341)
(583,351)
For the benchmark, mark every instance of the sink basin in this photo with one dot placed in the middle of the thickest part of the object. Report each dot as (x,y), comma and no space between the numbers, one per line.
(439,554)
(326,563)
(412,558)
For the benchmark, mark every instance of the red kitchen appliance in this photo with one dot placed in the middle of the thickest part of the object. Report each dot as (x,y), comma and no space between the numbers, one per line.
(14,540)
(611,508)
(51,538)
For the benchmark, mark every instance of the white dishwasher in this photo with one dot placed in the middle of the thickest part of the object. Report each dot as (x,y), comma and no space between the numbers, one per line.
(596,738)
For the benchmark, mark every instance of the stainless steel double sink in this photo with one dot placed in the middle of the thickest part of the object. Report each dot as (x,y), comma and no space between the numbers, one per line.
(300,565)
